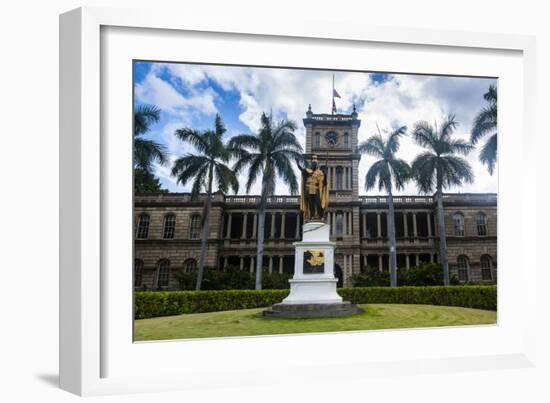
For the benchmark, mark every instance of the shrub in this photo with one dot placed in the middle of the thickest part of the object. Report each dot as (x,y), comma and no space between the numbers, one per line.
(480,297)
(149,304)
(423,275)
(231,278)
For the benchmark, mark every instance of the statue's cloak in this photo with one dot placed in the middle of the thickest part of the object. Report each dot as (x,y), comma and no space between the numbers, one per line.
(323,192)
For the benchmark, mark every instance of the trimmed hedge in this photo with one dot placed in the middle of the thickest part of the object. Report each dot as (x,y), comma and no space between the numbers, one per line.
(150,304)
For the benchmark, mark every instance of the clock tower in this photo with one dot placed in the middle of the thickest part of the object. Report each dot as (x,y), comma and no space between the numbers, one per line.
(333,138)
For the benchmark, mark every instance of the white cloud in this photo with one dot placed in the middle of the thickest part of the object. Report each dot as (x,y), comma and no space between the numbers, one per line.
(401,100)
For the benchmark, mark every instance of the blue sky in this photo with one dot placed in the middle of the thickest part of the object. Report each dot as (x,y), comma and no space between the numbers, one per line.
(190,96)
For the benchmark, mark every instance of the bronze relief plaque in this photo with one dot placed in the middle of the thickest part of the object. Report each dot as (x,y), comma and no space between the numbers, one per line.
(314,261)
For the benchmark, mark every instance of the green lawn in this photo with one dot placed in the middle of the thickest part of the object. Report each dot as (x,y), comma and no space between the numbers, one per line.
(249,322)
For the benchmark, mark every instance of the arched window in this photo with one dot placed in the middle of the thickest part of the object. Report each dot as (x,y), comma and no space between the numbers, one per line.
(195,228)
(486,267)
(190,266)
(339,223)
(481,224)
(317,140)
(339,178)
(458,220)
(138,272)
(163,273)
(142,229)
(346,140)
(169,226)
(463,266)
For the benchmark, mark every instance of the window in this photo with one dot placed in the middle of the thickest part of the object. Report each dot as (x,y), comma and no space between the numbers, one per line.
(190,266)
(458,220)
(339,224)
(317,139)
(142,230)
(346,140)
(195,228)
(463,266)
(486,266)
(138,272)
(163,274)
(169,226)
(481,224)
(339,178)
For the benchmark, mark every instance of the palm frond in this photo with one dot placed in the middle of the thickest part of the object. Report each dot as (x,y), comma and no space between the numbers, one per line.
(424,134)
(374,145)
(194,137)
(488,154)
(144,117)
(146,152)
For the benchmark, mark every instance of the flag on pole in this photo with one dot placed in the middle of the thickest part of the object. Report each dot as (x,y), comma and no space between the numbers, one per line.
(334,95)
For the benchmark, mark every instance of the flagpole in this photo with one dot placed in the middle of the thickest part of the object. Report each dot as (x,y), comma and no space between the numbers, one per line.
(332,105)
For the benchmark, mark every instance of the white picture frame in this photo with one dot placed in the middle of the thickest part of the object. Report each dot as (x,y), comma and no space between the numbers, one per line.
(88,315)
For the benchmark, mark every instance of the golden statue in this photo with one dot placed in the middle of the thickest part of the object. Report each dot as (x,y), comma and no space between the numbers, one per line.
(314,191)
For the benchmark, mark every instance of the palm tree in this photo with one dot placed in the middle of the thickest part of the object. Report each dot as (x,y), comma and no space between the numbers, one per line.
(146,151)
(387,172)
(438,168)
(268,153)
(203,168)
(486,123)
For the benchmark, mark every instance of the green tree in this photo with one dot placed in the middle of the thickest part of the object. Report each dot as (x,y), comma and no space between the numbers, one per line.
(440,167)
(485,123)
(146,182)
(268,154)
(146,151)
(204,168)
(388,171)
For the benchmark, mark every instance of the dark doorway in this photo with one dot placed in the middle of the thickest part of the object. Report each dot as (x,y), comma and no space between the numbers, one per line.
(339,275)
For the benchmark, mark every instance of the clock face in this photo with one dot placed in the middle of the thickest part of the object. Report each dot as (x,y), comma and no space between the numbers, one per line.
(332,138)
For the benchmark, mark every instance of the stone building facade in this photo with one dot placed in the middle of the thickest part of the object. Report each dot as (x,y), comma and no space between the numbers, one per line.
(168,225)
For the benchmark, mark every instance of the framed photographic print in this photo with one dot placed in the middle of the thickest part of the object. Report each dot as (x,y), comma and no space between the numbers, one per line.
(233,195)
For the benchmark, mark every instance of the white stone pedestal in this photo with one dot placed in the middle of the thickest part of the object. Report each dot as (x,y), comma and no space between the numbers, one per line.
(311,285)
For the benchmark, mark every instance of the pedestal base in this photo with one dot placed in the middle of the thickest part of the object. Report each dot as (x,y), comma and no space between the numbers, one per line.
(304,311)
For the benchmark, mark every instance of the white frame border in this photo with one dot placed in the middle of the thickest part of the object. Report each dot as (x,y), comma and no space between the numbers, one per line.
(80,165)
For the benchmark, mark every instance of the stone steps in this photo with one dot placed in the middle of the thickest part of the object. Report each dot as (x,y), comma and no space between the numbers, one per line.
(312,310)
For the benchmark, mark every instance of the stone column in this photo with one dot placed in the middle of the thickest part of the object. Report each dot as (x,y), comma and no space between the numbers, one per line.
(251,264)
(271,264)
(364,225)
(272,235)
(429,221)
(379,224)
(407,262)
(281,264)
(229,219)
(415,231)
(224,262)
(283,217)
(380,263)
(254,226)
(350,224)
(241,264)
(405,224)
(431,257)
(297,225)
(245,221)
(417,259)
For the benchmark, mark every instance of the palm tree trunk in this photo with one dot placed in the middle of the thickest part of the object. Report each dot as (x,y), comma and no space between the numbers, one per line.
(442,239)
(391,238)
(260,236)
(205,222)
